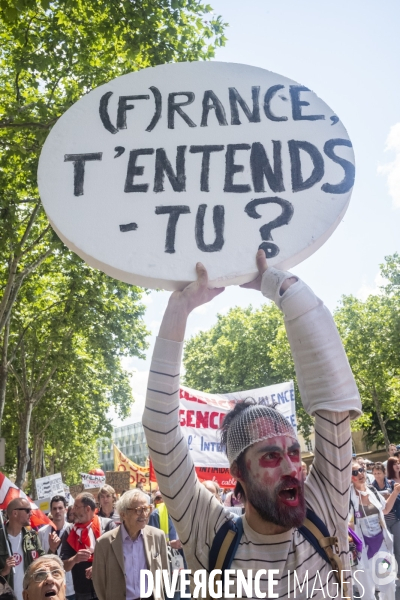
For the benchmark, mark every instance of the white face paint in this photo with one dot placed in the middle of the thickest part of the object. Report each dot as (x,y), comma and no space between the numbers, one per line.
(187,162)
(273,461)
(273,481)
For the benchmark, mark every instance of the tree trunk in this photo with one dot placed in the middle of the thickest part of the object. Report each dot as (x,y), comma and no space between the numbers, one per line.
(375,399)
(37,461)
(4,370)
(24,445)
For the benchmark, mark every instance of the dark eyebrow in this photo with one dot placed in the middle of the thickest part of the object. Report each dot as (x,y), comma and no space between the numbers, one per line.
(295,446)
(265,449)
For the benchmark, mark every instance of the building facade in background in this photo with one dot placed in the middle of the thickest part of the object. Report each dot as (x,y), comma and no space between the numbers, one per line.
(130,439)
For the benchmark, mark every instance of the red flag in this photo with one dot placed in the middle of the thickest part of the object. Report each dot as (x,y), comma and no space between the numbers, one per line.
(152,474)
(9,491)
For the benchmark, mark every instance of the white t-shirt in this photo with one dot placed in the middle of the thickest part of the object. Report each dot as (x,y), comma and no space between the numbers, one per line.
(16,549)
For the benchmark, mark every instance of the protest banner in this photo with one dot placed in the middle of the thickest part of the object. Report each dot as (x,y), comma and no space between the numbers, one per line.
(199,161)
(202,414)
(119,480)
(49,486)
(137,474)
(90,481)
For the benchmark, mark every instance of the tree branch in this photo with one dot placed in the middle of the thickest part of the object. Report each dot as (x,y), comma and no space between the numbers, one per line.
(6,124)
(29,226)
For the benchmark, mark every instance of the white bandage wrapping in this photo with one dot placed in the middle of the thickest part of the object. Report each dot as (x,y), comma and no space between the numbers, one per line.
(323,372)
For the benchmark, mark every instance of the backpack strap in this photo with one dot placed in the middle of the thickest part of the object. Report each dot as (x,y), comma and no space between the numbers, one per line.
(374,490)
(224,546)
(316,532)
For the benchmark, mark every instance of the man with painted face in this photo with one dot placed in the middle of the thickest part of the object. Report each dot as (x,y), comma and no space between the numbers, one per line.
(261,445)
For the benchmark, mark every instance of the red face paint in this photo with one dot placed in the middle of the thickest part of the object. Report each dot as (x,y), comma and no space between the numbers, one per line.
(274,459)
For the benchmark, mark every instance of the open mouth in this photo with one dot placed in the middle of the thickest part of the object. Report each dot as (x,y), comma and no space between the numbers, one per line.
(50,594)
(289,496)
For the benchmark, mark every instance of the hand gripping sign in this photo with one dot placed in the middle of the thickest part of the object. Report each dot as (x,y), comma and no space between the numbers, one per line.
(161,168)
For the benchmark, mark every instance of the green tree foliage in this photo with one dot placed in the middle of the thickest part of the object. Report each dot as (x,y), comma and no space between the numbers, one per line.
(51,53)
(70,326)
(64,326)
(370,332)
(246,349)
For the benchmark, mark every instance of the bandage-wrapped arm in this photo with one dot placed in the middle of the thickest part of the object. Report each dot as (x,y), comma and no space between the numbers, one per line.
(328,392)
(322,369)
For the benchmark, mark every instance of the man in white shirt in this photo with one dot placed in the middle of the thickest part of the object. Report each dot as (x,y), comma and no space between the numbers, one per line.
(261,446)
(51,539)
(24,545)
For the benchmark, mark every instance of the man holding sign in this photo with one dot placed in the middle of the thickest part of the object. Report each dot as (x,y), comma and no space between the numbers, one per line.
(262,449)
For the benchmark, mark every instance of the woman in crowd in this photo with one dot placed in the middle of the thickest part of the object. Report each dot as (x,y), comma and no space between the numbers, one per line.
(70,514)
(107,499)
(393,469)
(367,510)
(385,487)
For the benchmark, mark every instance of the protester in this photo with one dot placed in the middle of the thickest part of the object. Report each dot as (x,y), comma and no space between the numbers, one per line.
(70,514)
(392,449)
(233,500)
(365,464)
(107,499)
(262,448)
(393,469)
(157,498)
(160,519)
(78,543)
(385,487)
(224,494)
(367,508)
(51,540)
(25,545)
(45,578)
(304,469)
(121,554)
(139,486)
(6,591)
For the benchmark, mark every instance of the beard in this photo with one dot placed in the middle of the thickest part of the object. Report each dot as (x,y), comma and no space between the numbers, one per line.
(269,505)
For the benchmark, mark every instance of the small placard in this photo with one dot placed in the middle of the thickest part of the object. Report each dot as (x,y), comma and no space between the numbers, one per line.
(119,480)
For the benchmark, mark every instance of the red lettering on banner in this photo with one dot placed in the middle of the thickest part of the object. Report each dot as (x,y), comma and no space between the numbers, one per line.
(186,396)
(202,419)
(189,418)
(213,425)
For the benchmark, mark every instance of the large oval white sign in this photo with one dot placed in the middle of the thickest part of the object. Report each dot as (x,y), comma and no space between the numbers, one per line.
(188,162)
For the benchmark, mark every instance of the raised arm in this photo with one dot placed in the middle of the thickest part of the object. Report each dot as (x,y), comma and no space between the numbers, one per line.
(328,392)
(168,449)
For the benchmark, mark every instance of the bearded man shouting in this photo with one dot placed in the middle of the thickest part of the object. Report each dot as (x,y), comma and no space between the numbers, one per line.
(261,445)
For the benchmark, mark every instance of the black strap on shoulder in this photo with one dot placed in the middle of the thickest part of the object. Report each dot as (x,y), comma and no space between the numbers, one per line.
(235,525)
(374,490)
(310,514)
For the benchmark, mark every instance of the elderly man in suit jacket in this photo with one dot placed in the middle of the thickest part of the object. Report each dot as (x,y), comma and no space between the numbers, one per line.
(121,553)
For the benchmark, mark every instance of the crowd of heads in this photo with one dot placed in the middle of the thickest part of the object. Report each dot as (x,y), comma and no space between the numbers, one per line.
(361,467)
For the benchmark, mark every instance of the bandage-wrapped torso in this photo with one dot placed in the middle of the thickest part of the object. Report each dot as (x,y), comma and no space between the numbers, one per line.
(328,392)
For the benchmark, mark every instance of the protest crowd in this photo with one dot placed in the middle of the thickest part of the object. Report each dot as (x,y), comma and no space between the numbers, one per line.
(335,524)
